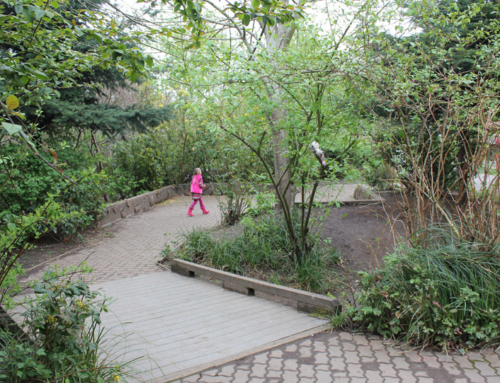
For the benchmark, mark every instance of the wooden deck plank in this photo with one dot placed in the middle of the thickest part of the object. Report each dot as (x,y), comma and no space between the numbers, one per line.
(172,322)
(172,360)
(184,322)
(221,329)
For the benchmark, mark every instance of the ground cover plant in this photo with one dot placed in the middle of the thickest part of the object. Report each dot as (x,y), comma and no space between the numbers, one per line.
(446,294)
(262,250)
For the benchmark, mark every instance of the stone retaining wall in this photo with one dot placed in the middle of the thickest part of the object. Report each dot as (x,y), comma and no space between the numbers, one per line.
(146,201)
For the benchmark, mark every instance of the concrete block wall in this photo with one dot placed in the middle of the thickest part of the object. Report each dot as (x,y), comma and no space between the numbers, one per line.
(146,201)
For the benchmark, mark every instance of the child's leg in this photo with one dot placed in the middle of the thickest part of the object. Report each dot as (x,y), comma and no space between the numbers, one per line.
(205,211)
(193,204)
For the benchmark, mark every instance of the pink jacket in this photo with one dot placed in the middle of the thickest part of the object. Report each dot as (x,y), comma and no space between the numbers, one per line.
(195,184)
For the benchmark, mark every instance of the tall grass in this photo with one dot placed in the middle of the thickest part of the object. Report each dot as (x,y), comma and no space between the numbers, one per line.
(263,250)
(447,294)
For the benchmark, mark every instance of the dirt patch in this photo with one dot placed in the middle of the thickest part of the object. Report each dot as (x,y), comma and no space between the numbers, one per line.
(47,248)
(363,234)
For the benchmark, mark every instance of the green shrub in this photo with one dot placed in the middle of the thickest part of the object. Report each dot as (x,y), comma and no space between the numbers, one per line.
(263,203)
(447,294)
(63,340)
(142,158)
(16,235)
(263,250)
(29,182)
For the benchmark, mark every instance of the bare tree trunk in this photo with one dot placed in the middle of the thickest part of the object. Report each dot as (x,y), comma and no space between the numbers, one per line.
(278,38)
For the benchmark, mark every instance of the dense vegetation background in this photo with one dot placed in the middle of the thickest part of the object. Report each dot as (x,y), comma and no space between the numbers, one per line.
(99,105)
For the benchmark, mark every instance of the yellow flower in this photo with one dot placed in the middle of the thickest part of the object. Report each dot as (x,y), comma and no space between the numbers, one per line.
(117,378)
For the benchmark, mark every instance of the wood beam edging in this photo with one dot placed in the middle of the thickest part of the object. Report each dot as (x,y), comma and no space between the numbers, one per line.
(306,301)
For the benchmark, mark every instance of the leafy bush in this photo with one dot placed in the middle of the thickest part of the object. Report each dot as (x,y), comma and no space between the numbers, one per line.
(142,158)
(28,183)
(446,295)
(236,201)
(63,340)
(262,250)
(263,203)
(85,200)
(16,234)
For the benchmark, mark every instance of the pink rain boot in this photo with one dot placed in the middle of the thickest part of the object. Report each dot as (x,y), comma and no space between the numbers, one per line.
(205,211)
(190,212)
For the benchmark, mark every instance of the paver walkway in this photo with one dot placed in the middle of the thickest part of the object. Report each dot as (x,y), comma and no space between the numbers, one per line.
(136,242)
(347,358)
(328,357)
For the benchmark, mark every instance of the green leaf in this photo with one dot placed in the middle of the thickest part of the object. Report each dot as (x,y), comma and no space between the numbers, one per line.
(149,61)
(39,75)
(28,140)
(133,77)
(12,129)
(78,31)
(39,13)
(27,14)
(246,19)
(256,3)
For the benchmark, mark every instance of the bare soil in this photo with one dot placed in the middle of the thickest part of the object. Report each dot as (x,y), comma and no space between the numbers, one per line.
(363,234)
(47,248)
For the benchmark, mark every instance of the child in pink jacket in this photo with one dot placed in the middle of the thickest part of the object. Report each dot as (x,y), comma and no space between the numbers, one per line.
(196,191)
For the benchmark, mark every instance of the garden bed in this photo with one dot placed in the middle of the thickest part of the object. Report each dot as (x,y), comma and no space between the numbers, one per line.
(353,238)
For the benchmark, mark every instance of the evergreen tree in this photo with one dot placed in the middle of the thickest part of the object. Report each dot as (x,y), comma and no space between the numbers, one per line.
(82,107)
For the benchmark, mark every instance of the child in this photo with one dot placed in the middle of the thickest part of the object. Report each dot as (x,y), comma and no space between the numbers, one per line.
(196,190)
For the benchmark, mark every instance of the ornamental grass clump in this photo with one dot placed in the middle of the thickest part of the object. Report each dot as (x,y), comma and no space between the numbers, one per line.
(445,295)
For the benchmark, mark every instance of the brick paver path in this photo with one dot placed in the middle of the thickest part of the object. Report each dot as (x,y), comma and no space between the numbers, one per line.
(136,242)
(344,357)
(328,357)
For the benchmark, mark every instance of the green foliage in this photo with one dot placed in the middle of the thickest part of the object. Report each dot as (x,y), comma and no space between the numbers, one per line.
(143,159)
(236,201)
(38,48)
(432,99)
(263,250)
(70,111)
(445,295)
(168,154)
(265,12)
(16,232)
(63,340)
(29,181)
(262,203)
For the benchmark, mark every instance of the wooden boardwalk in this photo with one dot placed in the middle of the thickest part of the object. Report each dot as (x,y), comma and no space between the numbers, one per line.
(340,192)
(180,325)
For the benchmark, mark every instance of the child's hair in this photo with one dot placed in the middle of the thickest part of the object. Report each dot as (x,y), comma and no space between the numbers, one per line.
(197,171)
